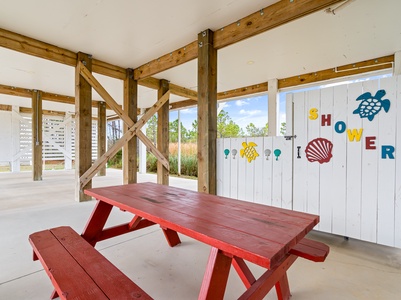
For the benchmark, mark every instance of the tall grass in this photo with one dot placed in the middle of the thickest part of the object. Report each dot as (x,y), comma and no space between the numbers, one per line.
(189,162)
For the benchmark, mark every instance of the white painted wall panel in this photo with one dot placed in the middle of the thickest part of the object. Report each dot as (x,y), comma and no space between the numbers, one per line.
(370,159)
(386,168)
(357,193)
(6,154)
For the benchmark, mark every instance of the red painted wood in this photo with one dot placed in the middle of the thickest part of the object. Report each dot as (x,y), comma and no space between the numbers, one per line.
(243,271)
(216,276)
(134,222)
(172,237)
(268,280)
(62,269)
(283,288)
(257,233)
(114,231)
(312,250)
(96,222)
(78,271)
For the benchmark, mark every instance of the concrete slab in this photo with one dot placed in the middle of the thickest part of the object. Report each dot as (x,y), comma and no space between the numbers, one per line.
(354,270)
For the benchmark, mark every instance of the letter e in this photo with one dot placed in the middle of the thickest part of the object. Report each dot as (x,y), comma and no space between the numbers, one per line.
(370,142)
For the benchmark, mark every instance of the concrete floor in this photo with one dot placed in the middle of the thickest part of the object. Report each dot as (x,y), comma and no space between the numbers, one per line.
(353,270)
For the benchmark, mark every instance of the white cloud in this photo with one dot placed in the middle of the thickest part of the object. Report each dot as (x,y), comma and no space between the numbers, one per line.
(250,112)
(188,111)
(241,102)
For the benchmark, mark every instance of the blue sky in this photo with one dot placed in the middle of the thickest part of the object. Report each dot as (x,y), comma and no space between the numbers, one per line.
(241,111)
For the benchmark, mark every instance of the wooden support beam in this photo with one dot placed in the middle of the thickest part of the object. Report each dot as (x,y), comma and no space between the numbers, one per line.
(37,141)
(101,134)
(183,92)
(370,65)
(183,104)
(83,127)
(167,61)
(207,112)
(270,17)
(122,114)
(134,130)
(27,45)
(6,107)
(163,134)
(267,18)
(27,93)
(130,160)
(28,110)
(243,91)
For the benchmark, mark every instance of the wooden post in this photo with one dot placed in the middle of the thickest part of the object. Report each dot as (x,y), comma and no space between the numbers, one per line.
(207,112)
(273,108)
(83,127)
(130,160)
(37,143)
(163,134)
(101,134)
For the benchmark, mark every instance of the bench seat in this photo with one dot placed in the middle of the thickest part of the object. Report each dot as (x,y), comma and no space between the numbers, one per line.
(79,271)
(311,250)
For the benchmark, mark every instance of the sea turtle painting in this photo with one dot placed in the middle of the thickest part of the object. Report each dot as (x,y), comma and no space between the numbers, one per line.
(249,151)
(371,105)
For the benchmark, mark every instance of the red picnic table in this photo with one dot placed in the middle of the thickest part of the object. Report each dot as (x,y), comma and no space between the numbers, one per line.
(237,231)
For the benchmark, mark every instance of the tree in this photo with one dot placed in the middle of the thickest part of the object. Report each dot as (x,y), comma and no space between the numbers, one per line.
(252,130)
(193,134)
(227,127)
(283,128)
(174,132)
(151,130)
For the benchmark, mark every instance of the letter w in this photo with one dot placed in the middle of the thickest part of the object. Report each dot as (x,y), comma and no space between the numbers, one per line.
(354,134)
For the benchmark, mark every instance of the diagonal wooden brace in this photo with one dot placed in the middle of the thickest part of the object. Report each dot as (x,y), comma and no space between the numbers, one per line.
(134,128)
(87,75)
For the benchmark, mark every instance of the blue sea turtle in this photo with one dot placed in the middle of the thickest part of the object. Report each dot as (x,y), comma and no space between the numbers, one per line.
(371,105)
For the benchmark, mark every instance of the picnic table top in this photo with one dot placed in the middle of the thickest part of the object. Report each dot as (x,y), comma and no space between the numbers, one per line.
(257,233)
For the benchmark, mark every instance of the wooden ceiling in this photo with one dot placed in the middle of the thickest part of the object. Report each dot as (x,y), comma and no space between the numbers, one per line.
(295,41)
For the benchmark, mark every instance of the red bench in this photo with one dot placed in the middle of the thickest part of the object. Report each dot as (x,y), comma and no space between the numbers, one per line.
(258,288)
(79,271)
(312,250)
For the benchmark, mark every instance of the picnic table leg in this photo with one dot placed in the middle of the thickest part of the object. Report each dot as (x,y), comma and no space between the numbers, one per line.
(276,277)
(54,295)
(96,222)
(172,237)
(243,271)
(283,288)
(216,276)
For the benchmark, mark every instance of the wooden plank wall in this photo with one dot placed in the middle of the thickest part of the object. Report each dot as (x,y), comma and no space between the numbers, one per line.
(357,193)
(266,181)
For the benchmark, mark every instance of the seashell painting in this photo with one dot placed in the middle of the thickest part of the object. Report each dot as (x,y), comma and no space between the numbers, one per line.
(319,150)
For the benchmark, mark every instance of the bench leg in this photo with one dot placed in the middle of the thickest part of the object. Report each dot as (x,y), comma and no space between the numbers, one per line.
(216,275)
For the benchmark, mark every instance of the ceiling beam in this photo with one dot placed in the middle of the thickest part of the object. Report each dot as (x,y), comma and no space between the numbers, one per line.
(30,46)
(267,18)
(27,93)
(371,65)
